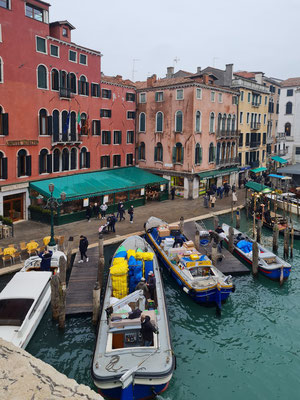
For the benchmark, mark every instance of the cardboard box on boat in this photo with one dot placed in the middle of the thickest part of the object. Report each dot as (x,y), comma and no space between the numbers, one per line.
(174,227)
(189,243)
(163,231)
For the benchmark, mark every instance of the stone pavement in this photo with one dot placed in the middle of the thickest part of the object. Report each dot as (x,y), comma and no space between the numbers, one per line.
(169,210)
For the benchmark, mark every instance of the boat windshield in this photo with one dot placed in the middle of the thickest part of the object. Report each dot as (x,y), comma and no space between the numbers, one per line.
(14,311)
(200,271)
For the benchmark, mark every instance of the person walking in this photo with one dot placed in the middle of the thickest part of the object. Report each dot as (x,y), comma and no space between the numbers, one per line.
(206,200)
(147,330)
(121,212)
(112,222)
(234,197)
(172,192)
(88,213)
(103,209)
(219,230)
(233,187)
(212,200)
(96,210)
(218,191)
(226,189)
(221,192)
(130,212)
(83,245)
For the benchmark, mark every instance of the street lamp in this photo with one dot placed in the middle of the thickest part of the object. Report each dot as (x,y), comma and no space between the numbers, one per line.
(52,203)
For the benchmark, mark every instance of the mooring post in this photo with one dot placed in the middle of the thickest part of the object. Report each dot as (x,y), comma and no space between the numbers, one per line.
(238,218)
(247,209)
(275,238)
(69,251)
(181,224)
(101,261)
(62,292)
(216,222)
(55,296)
(230,239)
(253,228)
(286,243)
(214,253)
(284,207)
(298,208)
(258,230)
(254,259)
(197,240)
(231,210)
(292,242)
(96,303)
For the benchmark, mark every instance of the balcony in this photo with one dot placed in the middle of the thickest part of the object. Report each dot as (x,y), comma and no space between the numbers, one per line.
(255,126)
(282,152)
(228,161)
(280,136)
(254,143)
(65,138)
(255,104)
(270,140)
(227,134)
(254,164)
(65,93)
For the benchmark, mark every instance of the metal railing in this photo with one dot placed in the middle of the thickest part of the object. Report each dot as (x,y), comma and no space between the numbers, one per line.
(65,92)
(223,134)
(228,161)
(255,125)
(65,138)
(255,143)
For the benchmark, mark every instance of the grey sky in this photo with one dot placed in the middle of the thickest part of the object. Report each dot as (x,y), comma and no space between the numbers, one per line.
(257,35)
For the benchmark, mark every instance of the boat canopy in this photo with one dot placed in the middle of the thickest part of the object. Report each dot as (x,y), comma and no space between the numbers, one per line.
(257,187)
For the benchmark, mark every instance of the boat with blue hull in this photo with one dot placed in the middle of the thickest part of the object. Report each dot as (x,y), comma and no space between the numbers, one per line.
(193,272)
(125,366)
(269,264)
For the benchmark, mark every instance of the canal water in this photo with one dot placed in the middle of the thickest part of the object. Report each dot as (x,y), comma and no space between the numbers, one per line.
(251,352)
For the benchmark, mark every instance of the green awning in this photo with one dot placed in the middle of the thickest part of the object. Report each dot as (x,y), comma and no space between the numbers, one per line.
(256,170)
(217,172)
(279,159)
(257,187)
(90,184)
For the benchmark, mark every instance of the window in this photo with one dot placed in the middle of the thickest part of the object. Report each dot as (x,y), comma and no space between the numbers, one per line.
(3,123)
(142,151)
(241,140)
(142,97)
(96,127)
(266,100)
(287,129)
(198,154)
(116,160)
(297,150)
(106,94)
(130,96)
(65,160)
(219,122)
(106,137)
(178,156)
(56,160)
(249,97)
(105,162)
(130,114)
(41,45)
(212,123)
(43,122)
(54,50)
(4,3)
(265,119)
(45,162)
(228,128)
(278,91)
(129,159)
(198,93)
(159,96)
(220,97)
(259,118)
(178,121)
(198,122)
(290,92)
(264,138)
(3,166)
(242,95)
(289,108)
(241,117)
(84,158)
(179,94)
(83,86)
(159,126)
(271,106)
(65,32)
(54,79)
(211,154)
(117,137)
(72,82)
(84,124)
(277,107)
(24,163)
(105,113)
(82,59)
(95,90)
(158,153)
(212,96)
(35,12)
(142,122)
(42,77)
(72,56)
(233,123)
(247,139)
(130,137)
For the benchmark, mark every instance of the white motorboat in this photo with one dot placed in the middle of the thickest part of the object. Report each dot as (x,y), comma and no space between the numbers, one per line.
(286,200)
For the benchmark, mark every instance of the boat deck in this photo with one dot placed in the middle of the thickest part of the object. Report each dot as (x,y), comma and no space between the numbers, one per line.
(79,299)
(230,265)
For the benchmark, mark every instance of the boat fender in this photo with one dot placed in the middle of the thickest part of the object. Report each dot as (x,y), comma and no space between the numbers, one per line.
(186,290)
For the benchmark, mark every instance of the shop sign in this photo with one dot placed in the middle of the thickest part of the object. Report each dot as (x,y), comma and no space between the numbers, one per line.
(105,199)
(14,187)
(162,188)
(169,165)
(22,142)
(85,202)
(142,192)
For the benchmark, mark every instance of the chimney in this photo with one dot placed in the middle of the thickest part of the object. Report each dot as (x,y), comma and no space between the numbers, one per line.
(206,79)
(259,77)
(198,70)
(170,72)
(228,75)
(151,80)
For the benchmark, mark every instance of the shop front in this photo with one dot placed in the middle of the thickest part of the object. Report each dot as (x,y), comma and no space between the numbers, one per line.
(218,177)
(14,201)
(129,185)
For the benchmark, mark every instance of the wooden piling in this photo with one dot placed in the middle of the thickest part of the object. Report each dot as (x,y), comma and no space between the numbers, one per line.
(55,296)
(238,218)
(197,240)
(253,227)
(298,208)
(231,210)
(96,303)
(254,259)
(258,230)
(286,243)
(230,239)
(214,253)
(216,222)
(284,207)
(181,224)
(292,242)
(101,261)
(62,292)
(275,238)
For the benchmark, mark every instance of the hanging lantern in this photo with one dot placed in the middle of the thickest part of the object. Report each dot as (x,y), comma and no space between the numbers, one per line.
(39,199)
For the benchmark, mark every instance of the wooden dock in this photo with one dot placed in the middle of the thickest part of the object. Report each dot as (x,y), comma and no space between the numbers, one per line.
(79,299)
(229,265)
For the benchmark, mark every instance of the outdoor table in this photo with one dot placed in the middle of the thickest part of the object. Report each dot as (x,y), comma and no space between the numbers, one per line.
(9,251)
(32,246)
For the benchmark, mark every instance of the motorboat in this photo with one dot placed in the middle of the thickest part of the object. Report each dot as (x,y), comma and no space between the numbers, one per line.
(125,366)
(192,271)
(269,264)
(23,303)
(34,263)
(285,201)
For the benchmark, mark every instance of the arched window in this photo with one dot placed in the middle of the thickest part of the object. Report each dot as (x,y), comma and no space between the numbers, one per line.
(64,126)
(159,122)
(232,155)
(84,160)
(198,121)
(287,129)
(84,124)
(228,123)
(24,163)
(63,80)
(178,121)
(83,86)
(43,122)
(158,152)
(55,123)
(54,79)
(223,152)
(224,123)
(73,158)
(178,154)
(211,156)
(198,154)
(43,161)
(42,77)
(228,150)
(65,160)
(3,166)
(73,125)
(142,151)
(212,122)
(218,153)
(233,124)
(1,70)
(56,160)
(72,82)
(142,122)
(289,108)
(219,122)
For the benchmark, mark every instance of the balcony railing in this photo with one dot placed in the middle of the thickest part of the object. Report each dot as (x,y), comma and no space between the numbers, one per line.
(65,92)
(254,164)
(270,139)
(280,136)
(254,143)
(255,126)
(223,134)
(65,138)
(282,152)
(228,161)
(255,104)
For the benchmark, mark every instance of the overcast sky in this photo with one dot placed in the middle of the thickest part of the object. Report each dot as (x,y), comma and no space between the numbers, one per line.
(257,35)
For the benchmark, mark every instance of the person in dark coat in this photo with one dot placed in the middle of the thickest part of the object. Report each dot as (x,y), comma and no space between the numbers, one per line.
(147,330)
(226,189)
(83,245)
(142,285)
(172,193)
(96,210)
(88,213)
(151,283)
(111,222)
(46,260)
(130,212)
(121,212)
(220,230)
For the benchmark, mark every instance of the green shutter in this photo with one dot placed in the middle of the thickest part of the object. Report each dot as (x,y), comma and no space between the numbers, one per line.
(108,137)
(155,153)
(174,155)
(214,153)
(182,157)
(120,137)
(200,155)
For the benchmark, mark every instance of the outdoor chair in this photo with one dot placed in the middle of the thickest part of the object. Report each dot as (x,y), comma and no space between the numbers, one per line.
(23,246)
(6,258)
(12,246)
(17,255)
(61,245)
(41,249)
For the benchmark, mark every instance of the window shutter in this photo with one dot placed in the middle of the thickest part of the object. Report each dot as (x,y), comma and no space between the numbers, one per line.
(98,128)
(5,124)
(109,94)
(60,79)
(49,125)
(68,81)
(214,153)
(79,87)
(127,96)
(155,153)
(174,155)
(120,137)
(4,168)
(49,163)
(19,166)
(108,161)
(200,155)
(28,165)
(87,88)
(98,90)
(161,154)
(88,159)
(108,137)
(80,160)
(182,157)
(101,113)
(40,164)
(156,96)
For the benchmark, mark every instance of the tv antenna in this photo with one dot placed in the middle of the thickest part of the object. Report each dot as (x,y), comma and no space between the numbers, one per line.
(214,60)
(176,60)
(133,67)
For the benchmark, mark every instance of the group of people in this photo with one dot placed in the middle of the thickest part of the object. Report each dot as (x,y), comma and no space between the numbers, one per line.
(215,193)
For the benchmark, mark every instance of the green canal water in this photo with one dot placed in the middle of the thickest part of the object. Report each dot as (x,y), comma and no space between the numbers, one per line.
(251,352)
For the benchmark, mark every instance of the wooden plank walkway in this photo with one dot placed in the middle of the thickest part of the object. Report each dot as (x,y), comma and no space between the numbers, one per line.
(230,265)
(79,297)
